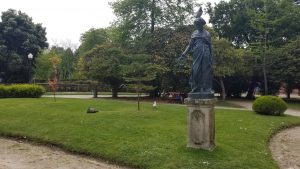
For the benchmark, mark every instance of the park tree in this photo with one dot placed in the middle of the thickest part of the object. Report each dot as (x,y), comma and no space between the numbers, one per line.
(227,60)
(258,24)
(92,38)
(43,70)
(286,65)
(103,64)
(19,36)
(67,63)
(68,60)
(245,22)
(53,80)
(65,66)
(136,18)
(164,46)
(139,73)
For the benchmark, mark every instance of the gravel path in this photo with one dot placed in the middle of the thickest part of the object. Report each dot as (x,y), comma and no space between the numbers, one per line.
(285,148)
(19,155)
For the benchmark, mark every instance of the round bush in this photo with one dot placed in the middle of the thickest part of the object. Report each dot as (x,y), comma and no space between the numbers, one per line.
(269,105)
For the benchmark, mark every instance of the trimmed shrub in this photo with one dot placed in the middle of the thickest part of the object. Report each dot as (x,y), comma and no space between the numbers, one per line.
(21,91)
(269,105)
(3,91)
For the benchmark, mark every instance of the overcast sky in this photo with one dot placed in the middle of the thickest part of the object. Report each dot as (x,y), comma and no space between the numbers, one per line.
(66,20)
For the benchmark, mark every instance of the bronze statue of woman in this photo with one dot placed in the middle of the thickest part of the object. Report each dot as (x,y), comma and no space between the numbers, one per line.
(201,48)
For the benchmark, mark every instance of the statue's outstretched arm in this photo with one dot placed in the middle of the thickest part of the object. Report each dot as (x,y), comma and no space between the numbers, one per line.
(187,49)
(182,59)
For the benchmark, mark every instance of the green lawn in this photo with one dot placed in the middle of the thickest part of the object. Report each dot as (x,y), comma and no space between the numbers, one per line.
(146,139)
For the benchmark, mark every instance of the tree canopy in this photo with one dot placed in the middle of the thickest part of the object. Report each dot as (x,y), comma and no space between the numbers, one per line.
(19,36)
(139,73)
(139,17)
(91,38)
(286,65)
(103,63)
(247,21)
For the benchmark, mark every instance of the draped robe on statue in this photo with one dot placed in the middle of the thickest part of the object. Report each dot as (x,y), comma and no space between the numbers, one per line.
(201,77)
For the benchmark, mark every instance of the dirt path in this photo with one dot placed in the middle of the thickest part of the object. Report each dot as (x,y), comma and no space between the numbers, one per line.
(18,155)
(285,148)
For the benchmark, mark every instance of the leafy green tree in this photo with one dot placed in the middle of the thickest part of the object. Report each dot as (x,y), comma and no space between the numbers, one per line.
(103,63)
(139,73)
(164,47)
(247,21)
(89,40)
(19,36)
(43,69)
(67,64)
(227,60)
(138,17)
(92,38)
(65,67)
(286,65)
(258,24)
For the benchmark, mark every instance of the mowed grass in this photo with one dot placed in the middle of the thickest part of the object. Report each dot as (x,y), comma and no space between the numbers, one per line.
(145,139)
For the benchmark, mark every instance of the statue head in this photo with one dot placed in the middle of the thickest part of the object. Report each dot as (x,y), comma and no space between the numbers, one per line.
(199,23)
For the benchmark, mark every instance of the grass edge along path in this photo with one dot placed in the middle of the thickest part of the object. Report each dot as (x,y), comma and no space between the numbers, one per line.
(145,139)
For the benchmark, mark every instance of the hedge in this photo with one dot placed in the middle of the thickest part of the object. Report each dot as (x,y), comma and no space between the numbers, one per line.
(21,91)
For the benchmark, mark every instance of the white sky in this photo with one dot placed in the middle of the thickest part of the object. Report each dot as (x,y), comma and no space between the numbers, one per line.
(66,20)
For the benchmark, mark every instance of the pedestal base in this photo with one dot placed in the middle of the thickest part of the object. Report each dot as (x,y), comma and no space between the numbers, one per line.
(201,123)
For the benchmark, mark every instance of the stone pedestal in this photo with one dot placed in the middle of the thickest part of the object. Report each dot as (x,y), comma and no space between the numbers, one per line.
(201,123)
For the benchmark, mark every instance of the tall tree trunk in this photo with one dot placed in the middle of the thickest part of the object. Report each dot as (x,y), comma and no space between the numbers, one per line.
(223,92)
(250,91)
(139,101)
(95,91)
(265,52)
(264,66)
(288,91)
(153,16)
(115,89)
(288,94)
